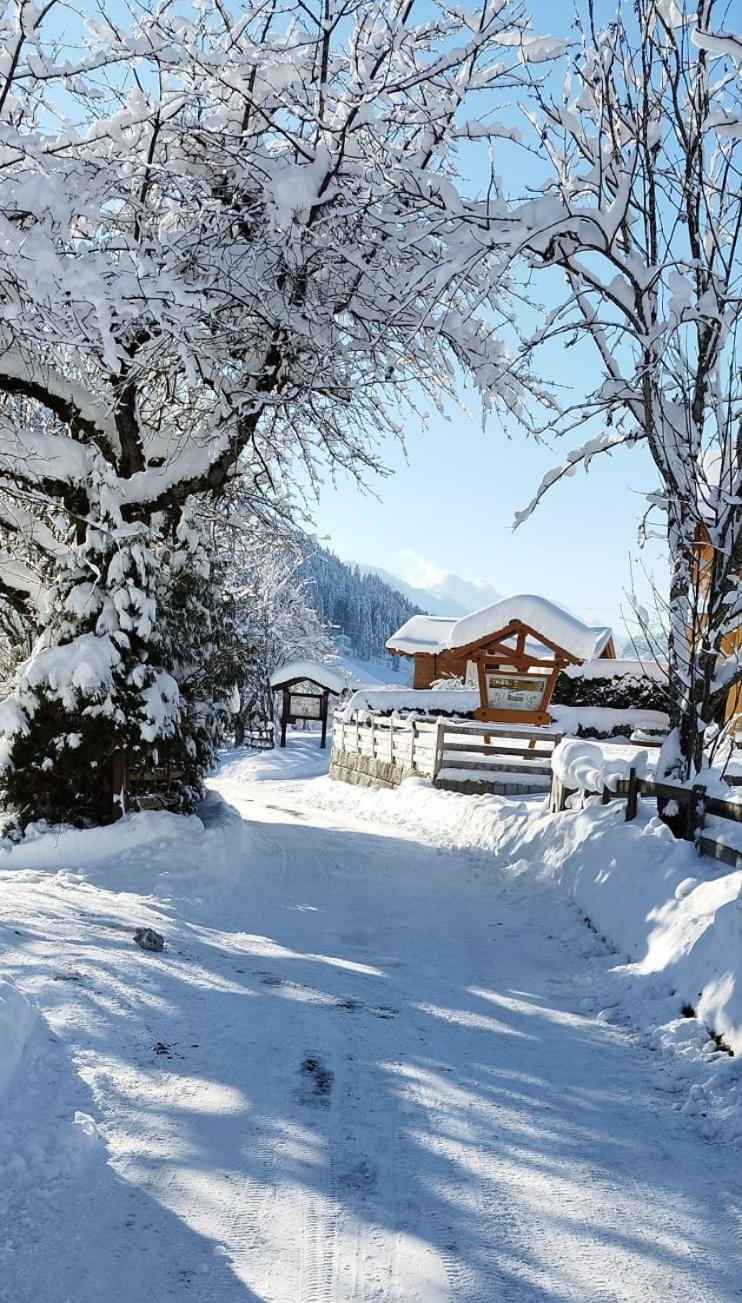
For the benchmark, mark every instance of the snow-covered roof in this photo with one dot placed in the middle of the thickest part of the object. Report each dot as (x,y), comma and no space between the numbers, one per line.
(431,634)
(422,633)
(314,670)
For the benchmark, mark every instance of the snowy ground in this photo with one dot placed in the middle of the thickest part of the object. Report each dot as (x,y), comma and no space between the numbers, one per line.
(365,1067)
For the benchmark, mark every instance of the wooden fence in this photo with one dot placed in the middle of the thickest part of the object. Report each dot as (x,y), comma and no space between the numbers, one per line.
(451,752)
(408,744)
(693,809)
(504,757)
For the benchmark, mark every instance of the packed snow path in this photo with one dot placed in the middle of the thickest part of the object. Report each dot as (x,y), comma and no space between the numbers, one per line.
(359,1071)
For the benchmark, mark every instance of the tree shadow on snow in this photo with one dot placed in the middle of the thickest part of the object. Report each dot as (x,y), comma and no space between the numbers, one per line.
(340,1050)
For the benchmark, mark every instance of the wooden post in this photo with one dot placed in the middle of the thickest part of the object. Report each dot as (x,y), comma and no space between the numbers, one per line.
(120,780)
(412,745)
(438,757)
(325,699)
(373,737)
(697,812)
(632,799)
(284,716)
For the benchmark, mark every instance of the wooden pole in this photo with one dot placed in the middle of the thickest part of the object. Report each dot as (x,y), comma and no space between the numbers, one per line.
(325,699)
(284,716)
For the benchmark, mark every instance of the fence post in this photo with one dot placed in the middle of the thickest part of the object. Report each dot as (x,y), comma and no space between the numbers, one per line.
(438,757)
(697,812)
(412,745)
(632,798)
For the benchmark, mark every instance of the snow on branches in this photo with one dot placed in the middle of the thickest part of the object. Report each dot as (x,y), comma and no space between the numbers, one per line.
(638,213)
(247,225)
(230,240)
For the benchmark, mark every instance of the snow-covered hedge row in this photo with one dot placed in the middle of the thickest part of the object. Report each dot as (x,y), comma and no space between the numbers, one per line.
(613,684)
(461,703)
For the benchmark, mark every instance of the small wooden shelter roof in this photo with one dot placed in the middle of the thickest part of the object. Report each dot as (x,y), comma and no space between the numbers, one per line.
(313,671)
(431,635)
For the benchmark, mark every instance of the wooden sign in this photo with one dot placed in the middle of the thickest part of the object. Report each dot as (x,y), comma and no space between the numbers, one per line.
(515,691)
(303,706)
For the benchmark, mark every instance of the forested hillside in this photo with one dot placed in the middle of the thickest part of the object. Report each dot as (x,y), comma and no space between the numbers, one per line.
(365,608)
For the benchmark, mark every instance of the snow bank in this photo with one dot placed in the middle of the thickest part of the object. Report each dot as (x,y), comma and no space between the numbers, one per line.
(16,1023)
(44,847)
(656,900)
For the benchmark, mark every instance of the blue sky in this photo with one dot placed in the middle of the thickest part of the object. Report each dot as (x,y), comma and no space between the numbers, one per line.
(449,507)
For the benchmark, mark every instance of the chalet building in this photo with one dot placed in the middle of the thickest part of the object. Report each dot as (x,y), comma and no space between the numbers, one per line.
(513,651)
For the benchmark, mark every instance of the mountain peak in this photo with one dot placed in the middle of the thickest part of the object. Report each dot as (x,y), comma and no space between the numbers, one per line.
(442,594)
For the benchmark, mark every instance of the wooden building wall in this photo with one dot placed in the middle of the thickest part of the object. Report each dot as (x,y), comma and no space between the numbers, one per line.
(428,668)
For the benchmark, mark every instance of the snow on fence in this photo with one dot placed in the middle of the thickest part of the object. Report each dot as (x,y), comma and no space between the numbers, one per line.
(458,754)
(711,821)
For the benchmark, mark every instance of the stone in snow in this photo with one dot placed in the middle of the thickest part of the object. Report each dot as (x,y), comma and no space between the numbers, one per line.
(148,939)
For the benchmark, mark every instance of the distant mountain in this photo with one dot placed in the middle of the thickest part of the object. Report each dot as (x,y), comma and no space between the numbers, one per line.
(449,595)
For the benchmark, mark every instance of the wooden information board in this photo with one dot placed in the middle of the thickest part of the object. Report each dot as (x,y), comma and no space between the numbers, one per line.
(515,691)
(302,706)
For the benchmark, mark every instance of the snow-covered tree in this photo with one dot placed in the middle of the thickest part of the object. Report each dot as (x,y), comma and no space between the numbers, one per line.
(639,212)
(230,239)
(275,620)
(363,607)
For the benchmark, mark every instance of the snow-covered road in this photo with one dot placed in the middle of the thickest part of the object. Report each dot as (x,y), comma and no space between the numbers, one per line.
(361,1070)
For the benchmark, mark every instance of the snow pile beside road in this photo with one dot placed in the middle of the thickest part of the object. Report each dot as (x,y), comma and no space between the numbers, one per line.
(44,847)
(16,1024)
